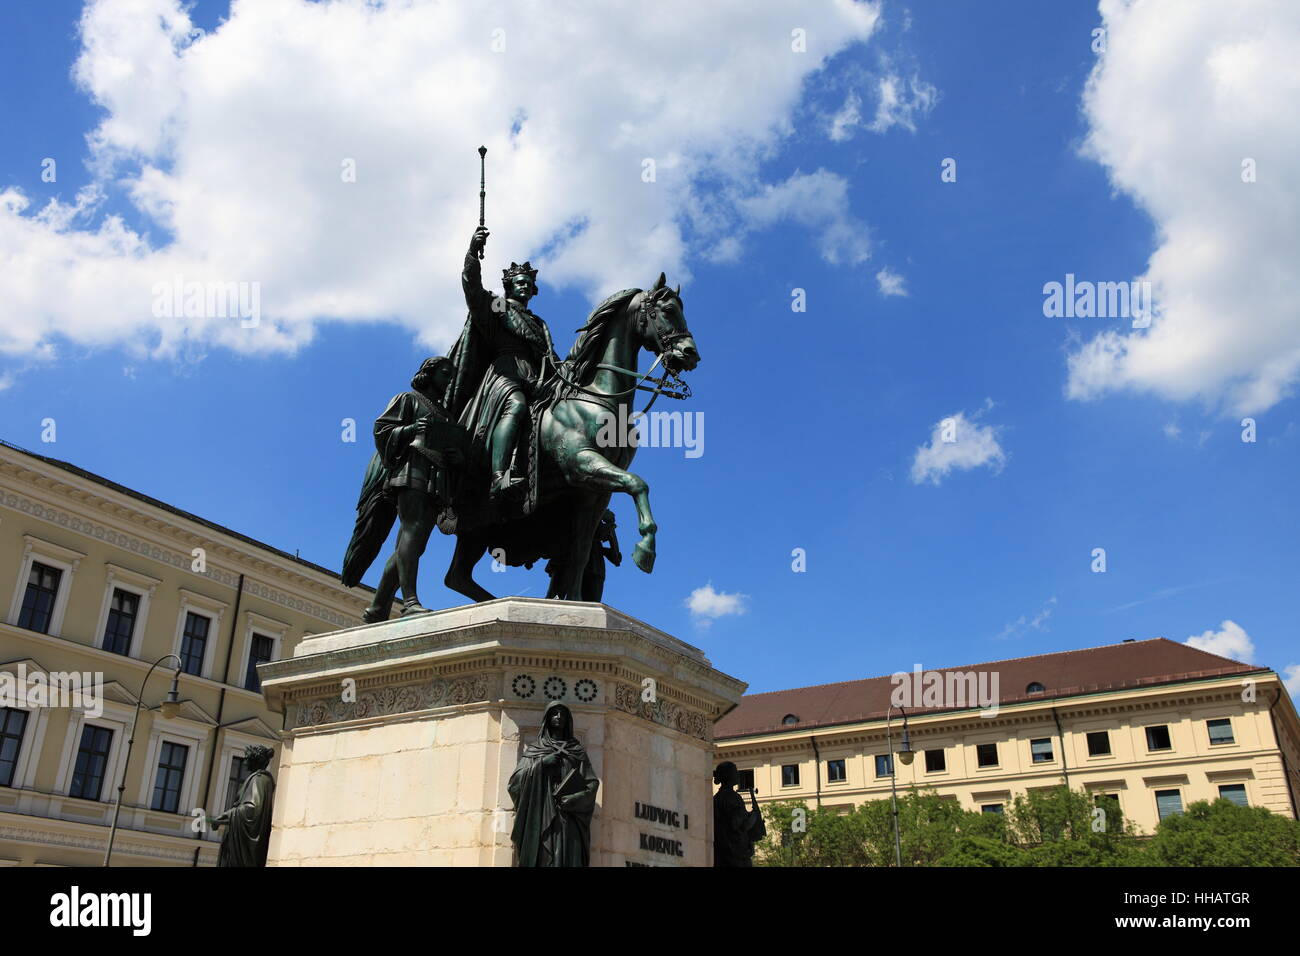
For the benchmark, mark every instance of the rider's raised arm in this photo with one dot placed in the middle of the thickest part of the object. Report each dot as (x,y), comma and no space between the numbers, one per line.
(477,298)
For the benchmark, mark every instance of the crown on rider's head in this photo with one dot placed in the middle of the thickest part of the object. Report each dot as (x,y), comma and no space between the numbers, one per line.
(516,269)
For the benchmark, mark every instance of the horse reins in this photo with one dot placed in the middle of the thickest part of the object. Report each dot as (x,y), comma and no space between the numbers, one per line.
(665,340)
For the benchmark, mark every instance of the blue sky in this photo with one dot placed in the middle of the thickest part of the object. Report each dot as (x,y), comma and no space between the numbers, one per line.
(813,420)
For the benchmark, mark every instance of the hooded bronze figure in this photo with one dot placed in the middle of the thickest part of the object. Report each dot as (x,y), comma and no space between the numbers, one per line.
(554,792)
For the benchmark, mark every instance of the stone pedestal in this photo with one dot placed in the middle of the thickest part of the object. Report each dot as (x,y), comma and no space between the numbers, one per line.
(401,736)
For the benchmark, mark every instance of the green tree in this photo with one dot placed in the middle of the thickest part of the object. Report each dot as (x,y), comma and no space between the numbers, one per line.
(983,851)
(1061,826)
(1225,834)
(929,827)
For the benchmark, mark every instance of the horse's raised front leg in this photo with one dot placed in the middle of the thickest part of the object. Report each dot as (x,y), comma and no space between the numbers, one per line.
(593,471)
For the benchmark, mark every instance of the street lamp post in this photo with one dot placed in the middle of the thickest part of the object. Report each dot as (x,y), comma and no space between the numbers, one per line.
(170,707)
(905,754)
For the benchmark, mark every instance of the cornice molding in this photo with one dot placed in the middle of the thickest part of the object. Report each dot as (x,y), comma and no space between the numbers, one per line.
(81,524)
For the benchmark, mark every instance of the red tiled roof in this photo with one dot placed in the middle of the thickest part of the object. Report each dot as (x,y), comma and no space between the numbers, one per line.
(1063,674)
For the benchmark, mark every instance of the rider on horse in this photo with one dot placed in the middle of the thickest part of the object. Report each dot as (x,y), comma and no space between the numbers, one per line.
(502,355)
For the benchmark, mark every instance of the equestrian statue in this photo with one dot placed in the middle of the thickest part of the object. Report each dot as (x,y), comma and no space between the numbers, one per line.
(523,449)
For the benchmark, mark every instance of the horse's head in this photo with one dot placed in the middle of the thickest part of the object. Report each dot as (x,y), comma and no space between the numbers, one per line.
(663,327)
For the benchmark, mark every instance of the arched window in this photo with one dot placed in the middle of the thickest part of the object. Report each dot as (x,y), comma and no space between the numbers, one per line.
(1035,688)
(790,719)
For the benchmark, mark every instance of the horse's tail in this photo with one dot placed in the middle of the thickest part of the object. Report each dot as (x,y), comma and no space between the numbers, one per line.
(376,512)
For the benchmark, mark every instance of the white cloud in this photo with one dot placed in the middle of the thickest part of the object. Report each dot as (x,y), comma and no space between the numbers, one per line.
(1291,678)
(231,147)
(706,604)
(1182,96)
(901,101)
(891,283)
(818,201)
(958,442)
(1172,430)
(846,118)
(1229,641)
(1024,624)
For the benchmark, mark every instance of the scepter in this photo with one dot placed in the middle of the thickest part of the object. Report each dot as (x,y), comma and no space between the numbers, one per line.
(482,191)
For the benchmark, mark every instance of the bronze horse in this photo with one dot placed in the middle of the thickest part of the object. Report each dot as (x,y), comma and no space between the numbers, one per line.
(577,465)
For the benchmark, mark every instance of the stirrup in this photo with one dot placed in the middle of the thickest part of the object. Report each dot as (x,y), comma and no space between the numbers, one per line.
(503,485)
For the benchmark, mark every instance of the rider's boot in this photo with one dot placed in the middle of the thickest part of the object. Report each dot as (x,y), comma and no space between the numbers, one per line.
(504,438)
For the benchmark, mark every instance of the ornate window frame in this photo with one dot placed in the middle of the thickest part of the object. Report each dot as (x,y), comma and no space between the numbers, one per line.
(188,734)
(117,718)
(29,749)
(143,587)
(57,556)
(266,626)
(211,608)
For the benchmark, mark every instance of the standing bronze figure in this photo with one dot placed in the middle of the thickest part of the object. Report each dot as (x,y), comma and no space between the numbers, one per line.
(735,829)
(416,444)
(554,793)
(248,822)
(604,545)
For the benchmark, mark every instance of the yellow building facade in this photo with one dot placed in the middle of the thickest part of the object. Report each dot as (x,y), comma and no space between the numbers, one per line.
(99,582)
(1155,724)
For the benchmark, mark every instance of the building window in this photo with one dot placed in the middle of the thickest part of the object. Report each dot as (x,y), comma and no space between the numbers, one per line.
(237,776)
(92,762)
(1109,802)
(1099,743)
(12,724)
(1220,731)
(935,761)
(260,653)
(1169,802)
(790,719)
(194,642)
(986,755)
(991,808)
(1035,688)
(1236,792)
(790,775)
(38,601)
(1158,738)
(835,772)
(171,773)
(1040,750)
(884,765)
(746,780)
(121,621)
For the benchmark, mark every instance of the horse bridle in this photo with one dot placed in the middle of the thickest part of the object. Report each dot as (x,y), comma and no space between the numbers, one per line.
(668,383)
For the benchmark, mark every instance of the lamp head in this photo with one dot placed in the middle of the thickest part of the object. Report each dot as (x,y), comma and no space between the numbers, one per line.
(171,705)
